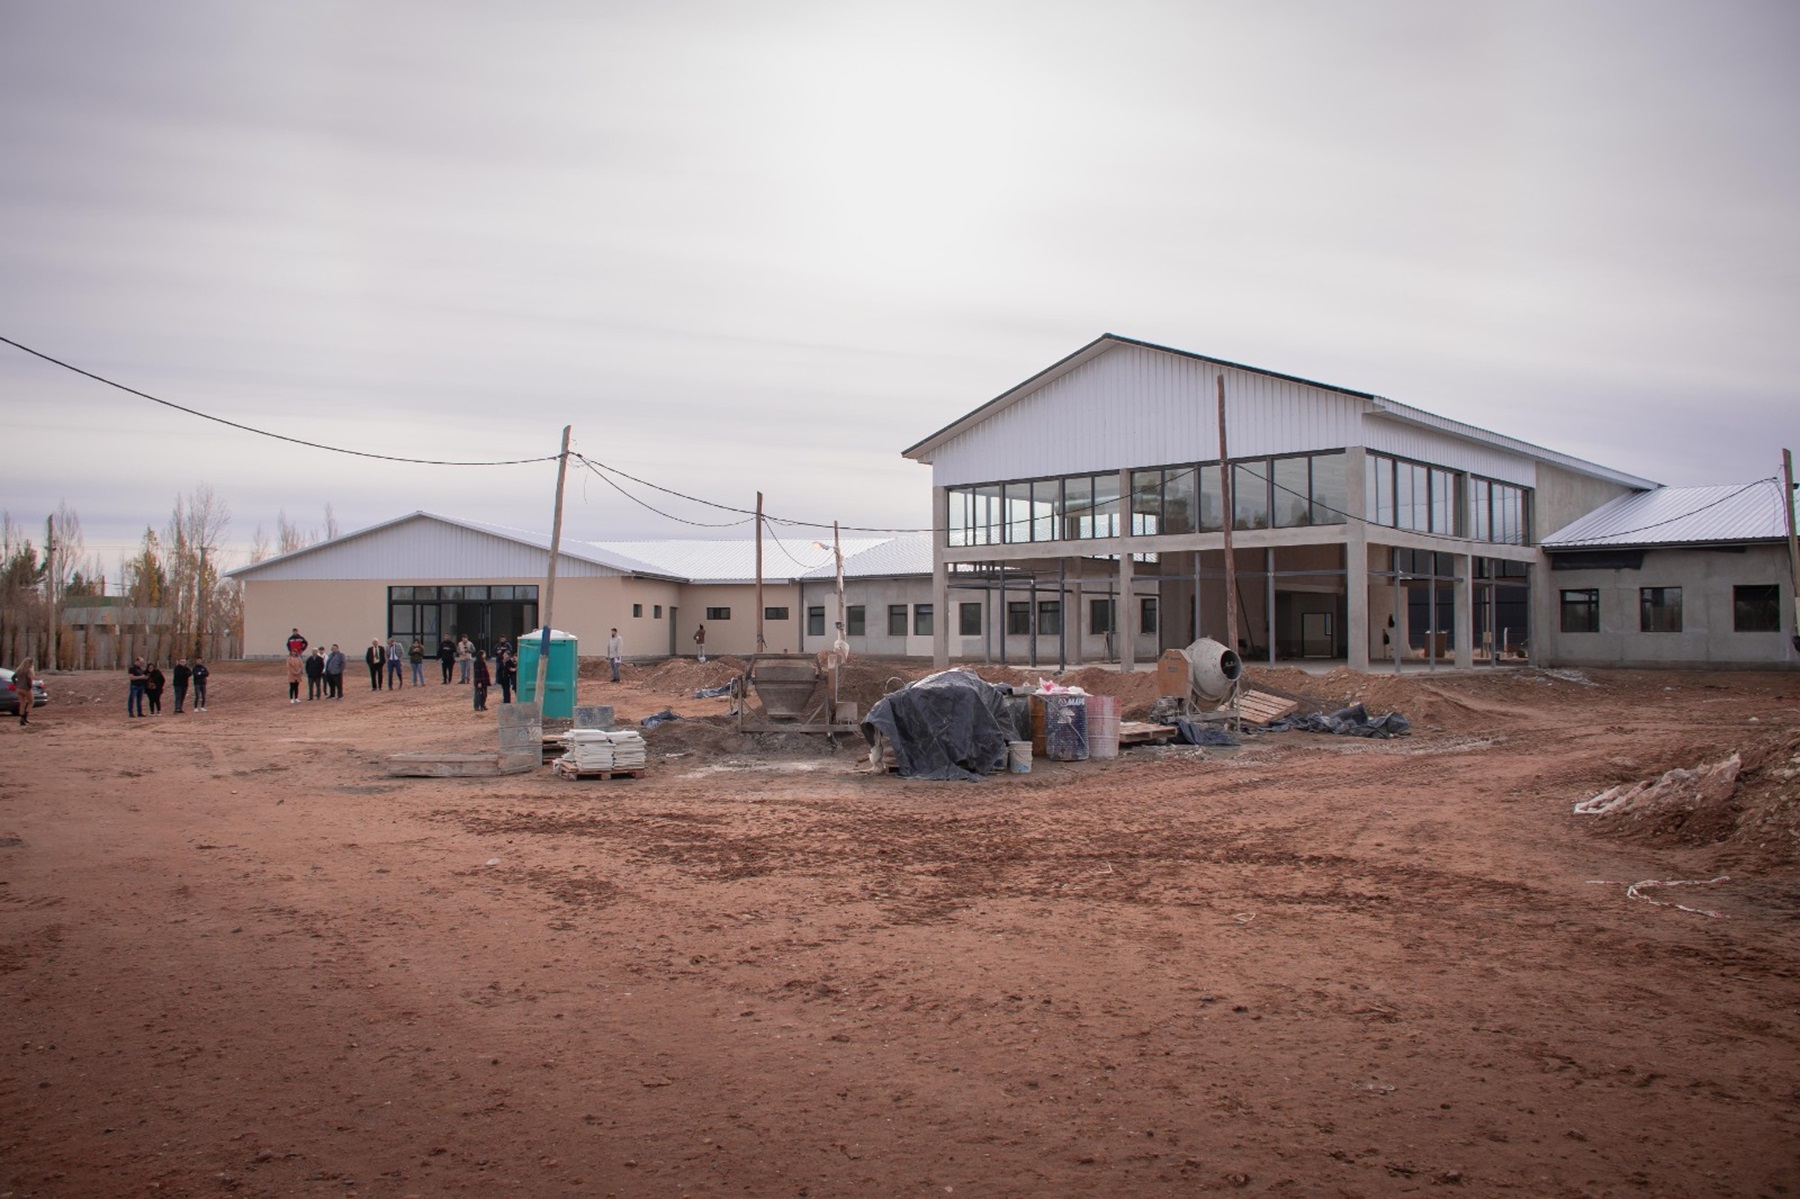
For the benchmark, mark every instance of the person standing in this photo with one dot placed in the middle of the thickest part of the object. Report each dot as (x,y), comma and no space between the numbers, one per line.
(295,669)
(24,678)
(465,656)
(396,663)
(315,674)
(506,669)
(182,675)
(296,644)
(416,655)
(447,656)
(134,699)
(200,676)
(700,641)
(615,653)
(481,683)
(376,659)
(334,672)
(153,687)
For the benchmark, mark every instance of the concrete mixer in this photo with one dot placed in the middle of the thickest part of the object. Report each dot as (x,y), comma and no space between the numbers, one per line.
(1203,676)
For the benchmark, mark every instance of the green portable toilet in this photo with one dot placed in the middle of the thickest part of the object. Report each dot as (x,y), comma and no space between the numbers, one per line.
(559,683)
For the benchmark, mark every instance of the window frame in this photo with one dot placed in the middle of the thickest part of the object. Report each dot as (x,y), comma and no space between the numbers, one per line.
(1587,608)
(1655,609)
(1742,605)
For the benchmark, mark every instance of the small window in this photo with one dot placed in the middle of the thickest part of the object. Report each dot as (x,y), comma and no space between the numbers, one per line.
(922,620)
(969,619)
(400,593)
(526,593)
(1659,609)
(1100,615)
(656,612)
(775,613)
(1756,608)
(718,614)
(896,620)
(815,622)
(637,609)
(855,624)
(501,592)
(1018,618)
(1049,618)
(1147,614)
(1581,610)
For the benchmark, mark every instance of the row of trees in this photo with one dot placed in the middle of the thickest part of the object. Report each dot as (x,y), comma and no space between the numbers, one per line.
(169,597)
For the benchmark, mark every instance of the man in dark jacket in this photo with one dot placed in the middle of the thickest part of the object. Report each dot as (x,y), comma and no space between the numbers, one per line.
(376,659)
(334,673)
(315,674)
(182,675)
(447,656)
(296,644)
(200,676)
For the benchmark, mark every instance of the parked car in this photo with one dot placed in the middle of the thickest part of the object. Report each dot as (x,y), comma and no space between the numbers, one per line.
(9,694)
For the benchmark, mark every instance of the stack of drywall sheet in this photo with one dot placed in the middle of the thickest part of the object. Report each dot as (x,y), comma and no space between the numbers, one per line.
(598,749)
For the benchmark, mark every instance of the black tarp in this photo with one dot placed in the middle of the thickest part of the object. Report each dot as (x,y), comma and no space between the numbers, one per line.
(949,725)
(1353,721)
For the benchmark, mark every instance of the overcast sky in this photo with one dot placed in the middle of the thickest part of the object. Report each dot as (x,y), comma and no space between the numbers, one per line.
(770,245)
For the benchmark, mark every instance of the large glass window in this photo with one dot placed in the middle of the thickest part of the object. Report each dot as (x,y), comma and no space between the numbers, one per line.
(1018,513)
(1106,506)
(1756,608)
(1293,493)
(1146,502)
(1329,491)
(1581,610)
(1078,507)
(1250,494)
(1659,609)
(1046,500)
(1178,500)
(1212,499)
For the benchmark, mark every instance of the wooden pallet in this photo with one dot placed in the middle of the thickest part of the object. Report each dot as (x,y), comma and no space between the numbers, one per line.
(569,772)
(1259,707)
(1137,732)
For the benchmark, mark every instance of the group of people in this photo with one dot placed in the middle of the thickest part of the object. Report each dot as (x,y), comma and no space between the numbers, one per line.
(323,670)
(147,683)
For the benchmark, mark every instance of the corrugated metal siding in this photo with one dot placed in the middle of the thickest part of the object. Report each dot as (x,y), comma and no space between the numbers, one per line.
(1133,406)
(734,561)
(1681,516)
(425,548)
(1446,449)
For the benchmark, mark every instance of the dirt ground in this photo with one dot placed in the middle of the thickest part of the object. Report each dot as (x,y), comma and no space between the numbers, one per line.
(237,958)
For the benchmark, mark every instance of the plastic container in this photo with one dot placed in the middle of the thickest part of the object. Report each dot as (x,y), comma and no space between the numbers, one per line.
(1018,757)
(1059,727)
(1103,726)
(559,683)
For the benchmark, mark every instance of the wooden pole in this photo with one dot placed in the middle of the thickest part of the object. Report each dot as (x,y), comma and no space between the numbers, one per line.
(50,585)
(1231,618)
(759,574)
(1787,506)
(840,646)
(547,608)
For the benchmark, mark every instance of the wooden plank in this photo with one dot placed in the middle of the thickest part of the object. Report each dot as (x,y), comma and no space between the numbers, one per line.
(569,772)
(1259,707)
(1137,732)
(442,766)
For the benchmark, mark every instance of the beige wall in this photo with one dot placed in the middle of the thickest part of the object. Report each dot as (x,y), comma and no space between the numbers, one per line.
(738,635)
(1562,496)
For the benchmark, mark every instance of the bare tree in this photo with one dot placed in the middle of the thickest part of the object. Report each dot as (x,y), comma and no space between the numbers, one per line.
(290,536)
(259,545)
(147,581)
(331,524)
(195,529)
(64,549)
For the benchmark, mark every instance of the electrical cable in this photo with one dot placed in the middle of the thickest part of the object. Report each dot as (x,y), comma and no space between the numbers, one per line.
(699,524)
(315,445)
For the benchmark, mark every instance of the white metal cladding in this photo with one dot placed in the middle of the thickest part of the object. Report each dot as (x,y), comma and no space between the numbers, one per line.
(1405,440)
(423,547)
(1681,516)
(1135,406)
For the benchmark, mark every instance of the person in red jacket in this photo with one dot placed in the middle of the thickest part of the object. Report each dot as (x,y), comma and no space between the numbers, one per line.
(296,644)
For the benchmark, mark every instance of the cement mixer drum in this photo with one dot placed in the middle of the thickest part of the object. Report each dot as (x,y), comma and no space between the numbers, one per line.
(1213,669)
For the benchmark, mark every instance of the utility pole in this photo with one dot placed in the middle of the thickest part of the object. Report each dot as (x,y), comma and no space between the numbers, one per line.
(840,648)
(1231,619)
(544,611)
(1787,506)
(50,582)
(759,574)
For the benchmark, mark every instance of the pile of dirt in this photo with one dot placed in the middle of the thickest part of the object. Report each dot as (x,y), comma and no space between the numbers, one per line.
(684,676)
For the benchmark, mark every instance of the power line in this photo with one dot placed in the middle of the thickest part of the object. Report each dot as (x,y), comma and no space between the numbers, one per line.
(699,524)
(315,445)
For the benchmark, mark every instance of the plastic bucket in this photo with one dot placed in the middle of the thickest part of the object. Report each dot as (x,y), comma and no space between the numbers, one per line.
(1018,757)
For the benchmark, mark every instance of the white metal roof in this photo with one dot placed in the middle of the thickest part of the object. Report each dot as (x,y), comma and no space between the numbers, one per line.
(1680,516)
(905,555)
(786,556)
(1152,390)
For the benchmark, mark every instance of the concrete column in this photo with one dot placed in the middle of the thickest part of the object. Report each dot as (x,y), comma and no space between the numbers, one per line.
(1358,634)
(1124,626)
(1465,612)
(940,581)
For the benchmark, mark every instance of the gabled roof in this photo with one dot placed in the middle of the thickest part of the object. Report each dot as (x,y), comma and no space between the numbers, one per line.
(574,550)
(1672,516)
(1376,404)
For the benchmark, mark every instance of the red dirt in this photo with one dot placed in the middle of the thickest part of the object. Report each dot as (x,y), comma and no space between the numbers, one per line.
(237,958)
